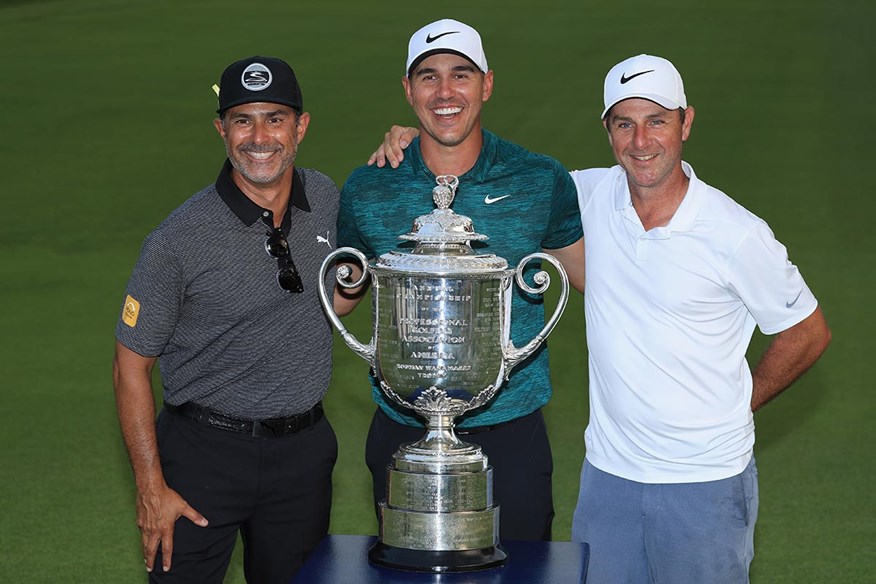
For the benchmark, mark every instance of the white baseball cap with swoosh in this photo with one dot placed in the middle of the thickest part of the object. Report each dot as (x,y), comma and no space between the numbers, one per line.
(446,36)
(646,77)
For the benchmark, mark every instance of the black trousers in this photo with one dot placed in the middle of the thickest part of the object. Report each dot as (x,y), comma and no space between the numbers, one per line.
(519,453)
(276,492)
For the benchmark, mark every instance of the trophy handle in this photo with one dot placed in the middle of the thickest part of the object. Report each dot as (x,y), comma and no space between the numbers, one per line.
(512,355)
(343,275)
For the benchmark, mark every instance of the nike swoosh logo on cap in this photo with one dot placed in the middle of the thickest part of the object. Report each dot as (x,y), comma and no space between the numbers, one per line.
(624,77)
(432,39)
(490,201)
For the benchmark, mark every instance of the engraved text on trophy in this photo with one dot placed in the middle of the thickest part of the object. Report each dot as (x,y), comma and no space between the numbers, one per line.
(440,332)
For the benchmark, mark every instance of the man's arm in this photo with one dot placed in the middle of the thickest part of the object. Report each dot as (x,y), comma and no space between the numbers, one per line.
(393,148)
(572,258)
(158,506)
(788,356)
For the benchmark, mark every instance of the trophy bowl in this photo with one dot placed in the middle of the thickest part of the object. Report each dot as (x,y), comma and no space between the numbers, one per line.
(441,318)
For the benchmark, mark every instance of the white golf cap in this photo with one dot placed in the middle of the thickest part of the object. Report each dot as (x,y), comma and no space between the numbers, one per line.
(446,36)
(647,77)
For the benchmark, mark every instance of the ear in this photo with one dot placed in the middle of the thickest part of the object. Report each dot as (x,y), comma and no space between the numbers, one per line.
(219,128)
(406,82)
(303,122)
(607,131)
(688,121)
(488,85)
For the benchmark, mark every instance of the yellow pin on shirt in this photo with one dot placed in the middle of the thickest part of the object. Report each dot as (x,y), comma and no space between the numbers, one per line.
(131,311)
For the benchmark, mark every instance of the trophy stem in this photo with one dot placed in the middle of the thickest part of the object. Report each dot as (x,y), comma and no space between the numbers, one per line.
(440,450)
(440,437)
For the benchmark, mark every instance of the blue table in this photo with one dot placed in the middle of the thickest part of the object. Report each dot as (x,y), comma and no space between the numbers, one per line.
(343,559)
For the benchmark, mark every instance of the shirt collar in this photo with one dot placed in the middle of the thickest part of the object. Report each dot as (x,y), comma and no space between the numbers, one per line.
(685,215)
(245,209)
(478,173)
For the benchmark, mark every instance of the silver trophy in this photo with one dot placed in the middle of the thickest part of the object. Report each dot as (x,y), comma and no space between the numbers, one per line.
(440,347)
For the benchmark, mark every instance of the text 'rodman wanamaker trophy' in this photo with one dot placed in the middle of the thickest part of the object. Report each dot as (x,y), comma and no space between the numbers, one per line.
(440,347)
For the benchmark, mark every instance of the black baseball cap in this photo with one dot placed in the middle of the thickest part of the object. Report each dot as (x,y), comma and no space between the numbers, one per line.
(257,78)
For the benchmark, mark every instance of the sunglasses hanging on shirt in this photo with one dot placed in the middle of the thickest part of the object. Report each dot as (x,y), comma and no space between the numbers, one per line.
(287,276)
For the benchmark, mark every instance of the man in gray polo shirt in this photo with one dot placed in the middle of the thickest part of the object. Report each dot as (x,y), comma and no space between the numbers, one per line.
(223,297)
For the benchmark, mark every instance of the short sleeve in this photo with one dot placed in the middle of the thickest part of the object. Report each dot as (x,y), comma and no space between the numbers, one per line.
(348,227)
(585,182)
(564,228)
(766,281)
(154,298)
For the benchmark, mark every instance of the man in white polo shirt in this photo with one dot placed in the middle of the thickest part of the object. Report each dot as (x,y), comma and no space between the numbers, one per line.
(678,276)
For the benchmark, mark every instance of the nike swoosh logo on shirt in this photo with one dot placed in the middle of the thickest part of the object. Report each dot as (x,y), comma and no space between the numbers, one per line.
(490,201)
(794,301)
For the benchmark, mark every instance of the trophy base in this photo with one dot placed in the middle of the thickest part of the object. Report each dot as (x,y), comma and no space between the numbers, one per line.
(438,515)
(436,561)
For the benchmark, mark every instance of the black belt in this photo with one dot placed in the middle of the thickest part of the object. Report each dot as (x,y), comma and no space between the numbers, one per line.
(270,428)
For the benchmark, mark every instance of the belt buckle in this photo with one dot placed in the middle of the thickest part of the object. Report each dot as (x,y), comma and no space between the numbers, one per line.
(262,430)
(281,426)
(273,428)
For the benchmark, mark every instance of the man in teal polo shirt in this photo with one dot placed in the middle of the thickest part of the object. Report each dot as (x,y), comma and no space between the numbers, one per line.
(525,203)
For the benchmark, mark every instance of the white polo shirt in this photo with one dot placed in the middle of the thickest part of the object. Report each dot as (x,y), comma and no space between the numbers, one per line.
(670,314)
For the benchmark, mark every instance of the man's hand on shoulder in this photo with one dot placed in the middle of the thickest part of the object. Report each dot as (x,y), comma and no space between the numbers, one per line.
(393,148)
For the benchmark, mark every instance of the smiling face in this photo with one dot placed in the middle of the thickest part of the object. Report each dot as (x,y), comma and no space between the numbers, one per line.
(647,140)
(447,92)
(261,140)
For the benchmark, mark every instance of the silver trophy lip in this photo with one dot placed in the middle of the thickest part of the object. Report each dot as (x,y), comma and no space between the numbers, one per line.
(439,264)
(443,240)
(443,226)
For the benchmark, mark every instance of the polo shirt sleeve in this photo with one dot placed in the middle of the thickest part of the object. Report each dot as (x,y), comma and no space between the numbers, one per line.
(586,182)
(769,285)
(564,228)
(349,234)
(154,299)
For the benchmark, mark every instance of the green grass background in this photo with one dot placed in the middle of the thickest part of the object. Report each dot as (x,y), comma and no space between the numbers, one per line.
(106,127)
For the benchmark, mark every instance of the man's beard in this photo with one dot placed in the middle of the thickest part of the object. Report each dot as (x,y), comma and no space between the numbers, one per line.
(254,172)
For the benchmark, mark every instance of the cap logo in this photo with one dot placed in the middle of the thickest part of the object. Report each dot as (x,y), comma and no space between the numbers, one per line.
(624,78)
(431,39)
(256,77)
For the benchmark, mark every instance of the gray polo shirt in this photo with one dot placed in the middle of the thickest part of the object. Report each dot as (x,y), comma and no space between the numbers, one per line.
(204,299)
